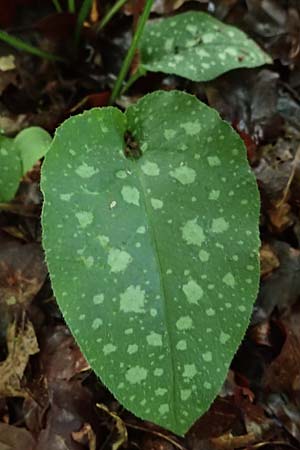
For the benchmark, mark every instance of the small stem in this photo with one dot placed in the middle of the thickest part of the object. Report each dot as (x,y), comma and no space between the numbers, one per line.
(132,79)
(113,10)
(71,6)
(57,5)
(82,15)
(21,45)
(130,54)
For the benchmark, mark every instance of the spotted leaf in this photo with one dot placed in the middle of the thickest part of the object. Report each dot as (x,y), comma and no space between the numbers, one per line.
(153,259)
(197,46)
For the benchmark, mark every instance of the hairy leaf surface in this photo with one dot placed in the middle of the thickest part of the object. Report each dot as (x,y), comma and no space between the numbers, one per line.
(153,259)
(197,46)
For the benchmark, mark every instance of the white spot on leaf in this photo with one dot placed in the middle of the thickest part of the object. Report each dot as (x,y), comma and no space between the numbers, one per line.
(84,218)
(132,300)
(131,195)
(136,374)
(184,323)
(118,260)
(184,174)
(193,233)
(150,168)
(193,292)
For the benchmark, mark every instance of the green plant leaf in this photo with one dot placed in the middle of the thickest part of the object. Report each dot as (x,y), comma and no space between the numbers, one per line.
(197,46)
(154,261)
(10,169)
(32,144)
(18,155)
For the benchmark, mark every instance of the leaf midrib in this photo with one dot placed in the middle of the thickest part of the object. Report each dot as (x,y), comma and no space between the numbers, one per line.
(147,205)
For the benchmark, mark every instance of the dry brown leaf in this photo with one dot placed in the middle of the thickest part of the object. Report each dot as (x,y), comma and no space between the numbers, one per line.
(85,435)
(120,426)
(21,343)
(230,442)
(268,260)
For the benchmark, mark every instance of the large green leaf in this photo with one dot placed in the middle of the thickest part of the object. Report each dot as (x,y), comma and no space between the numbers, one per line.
(153,260)
(197,46)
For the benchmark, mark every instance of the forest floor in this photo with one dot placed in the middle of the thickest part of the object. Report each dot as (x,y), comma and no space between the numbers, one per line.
(48,393)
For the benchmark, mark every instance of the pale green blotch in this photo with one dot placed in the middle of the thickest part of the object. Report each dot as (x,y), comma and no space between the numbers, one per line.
(203,256)
(214,195)
(132,348)
(192,28)
(164,409)
(181,345)
(84,218)
(154,339)
(224,337)
(121,174)
(183,174)
(160,391)
(191,128)
(207,385)
(141,230)
(210,312)
(156,203)
(207,356)
(66,197)
(193,292)
(207,38)
(169,134)
(184,323)
(88,261)
(168,44)
(229,279)
(219,225)
(109,348)
(85,171)
(136,374)
(98,299)
(213,161)
(185,394)
(104,240)
(97,323)
(190,371)
(193,233)
(118,260)
(158,372)
(150,168)
(131,195)
(132,300)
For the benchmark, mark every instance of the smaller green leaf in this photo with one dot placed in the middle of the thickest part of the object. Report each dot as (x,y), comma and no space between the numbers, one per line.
(32,145)
(19,155)
(197,46)
(10,169)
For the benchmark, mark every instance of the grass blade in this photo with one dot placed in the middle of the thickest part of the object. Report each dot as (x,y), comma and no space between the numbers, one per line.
(113,10)
(23,46)
(57,5)
(82,15)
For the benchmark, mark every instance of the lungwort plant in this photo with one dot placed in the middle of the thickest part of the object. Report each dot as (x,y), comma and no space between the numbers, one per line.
(150,228)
